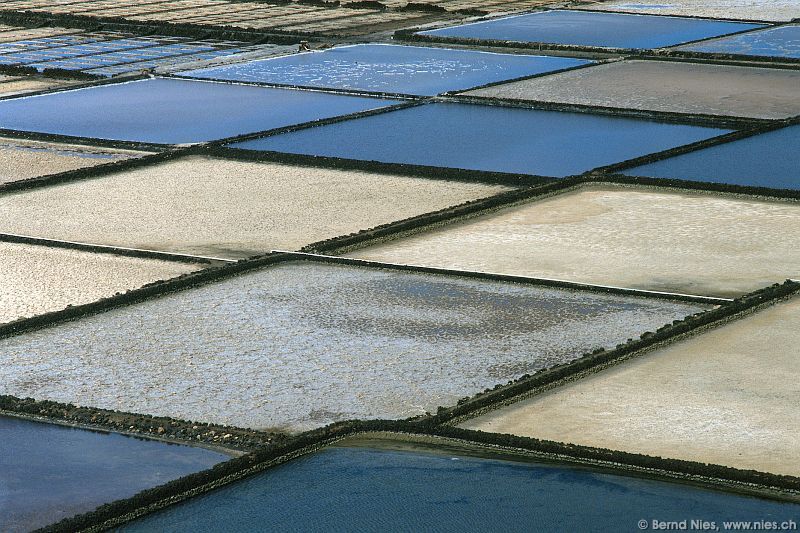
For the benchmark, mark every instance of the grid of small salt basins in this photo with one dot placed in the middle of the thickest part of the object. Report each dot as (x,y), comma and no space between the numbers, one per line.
(485,234)
(107,53)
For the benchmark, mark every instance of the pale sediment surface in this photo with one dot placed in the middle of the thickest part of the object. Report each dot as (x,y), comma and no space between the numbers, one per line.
(726,397)
(39,279)
(226,208)
(637,238)
(773,10)
(666,86)
(29,159)
(10,85)
(300,345)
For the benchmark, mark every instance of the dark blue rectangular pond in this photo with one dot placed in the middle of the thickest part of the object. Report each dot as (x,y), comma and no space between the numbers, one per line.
(170,111)
(768,160)
(783,41)
(50,472)
(489,138)
(390,69)
(583,28)
(360,489)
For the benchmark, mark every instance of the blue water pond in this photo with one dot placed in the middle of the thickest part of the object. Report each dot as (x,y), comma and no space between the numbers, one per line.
(390,68)
(49,472)
(489,138)
(170,111)
(768,160)
(583,28)
(352,489)
(783,41)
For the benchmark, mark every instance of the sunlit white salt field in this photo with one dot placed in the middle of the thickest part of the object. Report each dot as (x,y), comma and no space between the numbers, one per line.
(26,159)
(773,10)
(625,237)
(39,279)
(301,345)
(715,398)
(226,208)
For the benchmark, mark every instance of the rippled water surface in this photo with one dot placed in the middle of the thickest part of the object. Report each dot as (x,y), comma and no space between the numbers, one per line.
(490,138)
(390,68)
(302,345)
(342,489)
(173,111)
(49,472)
(594,29)
(783,41)
(768,160)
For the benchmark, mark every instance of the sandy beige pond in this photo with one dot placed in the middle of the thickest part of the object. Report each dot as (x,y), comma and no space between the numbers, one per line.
(10,85)
(637,238)
(774,10)
(39,279)
(225,208)
(728,396)
(666,86)
(29,159)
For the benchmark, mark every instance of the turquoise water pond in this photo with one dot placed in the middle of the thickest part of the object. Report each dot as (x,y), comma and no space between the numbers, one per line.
(359,489)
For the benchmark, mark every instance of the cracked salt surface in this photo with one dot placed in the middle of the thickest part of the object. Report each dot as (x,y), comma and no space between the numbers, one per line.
(301,345)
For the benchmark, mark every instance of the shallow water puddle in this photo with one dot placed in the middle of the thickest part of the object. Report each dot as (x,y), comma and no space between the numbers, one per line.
(50,472)
(783,41)
(581,28)
(771,159)
(169,111)
(489,138)
(390,68)
(387,490)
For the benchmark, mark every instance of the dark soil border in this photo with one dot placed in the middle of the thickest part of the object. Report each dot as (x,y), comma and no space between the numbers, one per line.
(141,425)
(112,250)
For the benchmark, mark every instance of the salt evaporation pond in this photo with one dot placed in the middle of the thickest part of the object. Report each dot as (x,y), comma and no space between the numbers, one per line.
(640,238)
(389,68)
(301,345)
(39,279)
(773,10)
(26,159)
(49,472)
(338,489)
(489,138)
(171,111)
(227,208)
(726,396)
(771,159)
(780,42)
(583,28)
(672,86)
